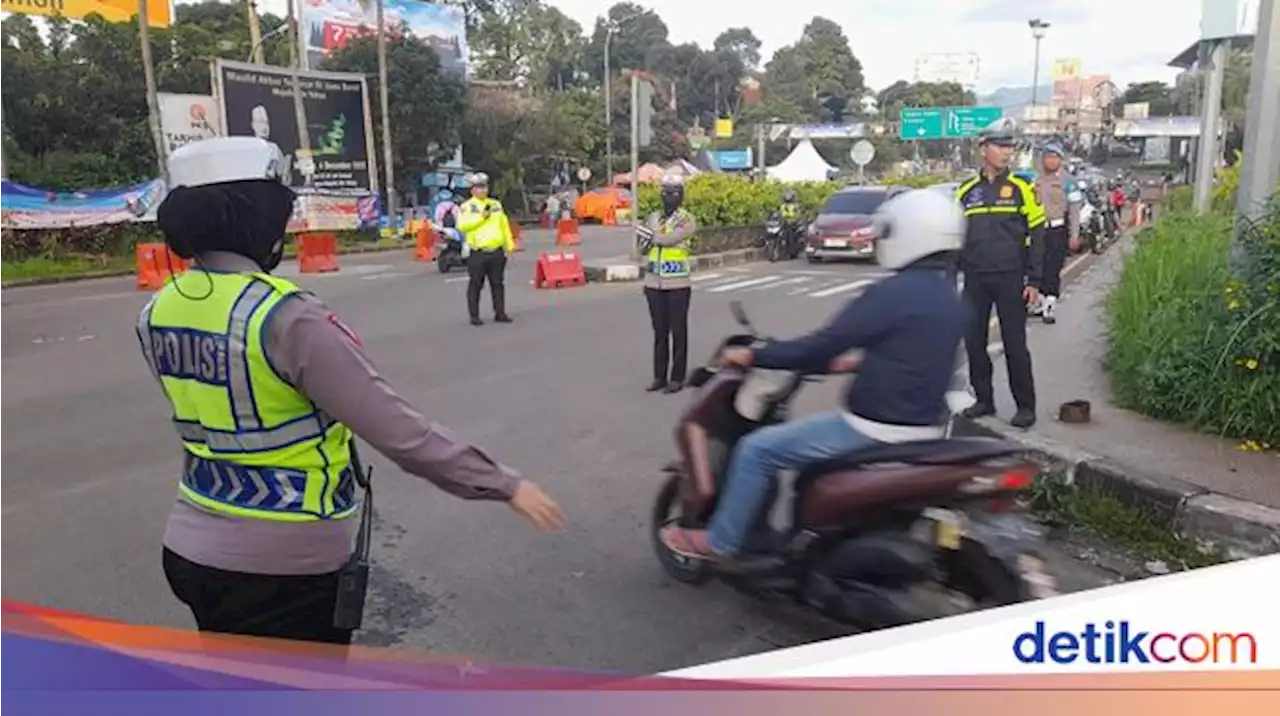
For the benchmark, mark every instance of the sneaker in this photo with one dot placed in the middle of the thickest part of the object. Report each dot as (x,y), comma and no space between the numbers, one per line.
(504,318)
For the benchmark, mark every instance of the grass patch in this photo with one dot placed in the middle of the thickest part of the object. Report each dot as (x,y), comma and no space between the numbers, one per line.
(1098,513)
(51,267)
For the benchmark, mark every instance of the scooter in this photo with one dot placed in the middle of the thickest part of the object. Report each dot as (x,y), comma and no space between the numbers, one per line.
(869,533)
(451,250)
(774,241)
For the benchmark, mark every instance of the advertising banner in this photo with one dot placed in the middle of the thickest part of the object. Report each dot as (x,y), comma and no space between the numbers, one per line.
(257,101)
(186,118)
(26,207)
(159,12)
(327,25)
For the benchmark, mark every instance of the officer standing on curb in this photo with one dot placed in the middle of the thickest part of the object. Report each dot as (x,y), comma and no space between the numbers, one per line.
(1003,265)
(1062,199)
(667,239)
(267,389)
(488,235)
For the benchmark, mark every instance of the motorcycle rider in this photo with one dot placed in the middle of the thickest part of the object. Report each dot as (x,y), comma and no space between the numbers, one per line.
(1061,197)
(267,388)
(909,327)
(789,212)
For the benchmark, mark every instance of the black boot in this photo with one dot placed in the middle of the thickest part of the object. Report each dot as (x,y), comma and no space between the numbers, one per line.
(475,321)
(1024,418)
(674,386)
(656,385)
(502,318)
(979,410)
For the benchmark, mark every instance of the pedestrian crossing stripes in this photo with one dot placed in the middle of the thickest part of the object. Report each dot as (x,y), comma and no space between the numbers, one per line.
(808,284)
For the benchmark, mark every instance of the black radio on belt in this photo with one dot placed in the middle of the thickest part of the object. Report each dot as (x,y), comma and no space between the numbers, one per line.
(353,580)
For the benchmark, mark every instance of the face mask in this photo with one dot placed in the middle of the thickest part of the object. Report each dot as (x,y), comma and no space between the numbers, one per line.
(275,256)
(671,202)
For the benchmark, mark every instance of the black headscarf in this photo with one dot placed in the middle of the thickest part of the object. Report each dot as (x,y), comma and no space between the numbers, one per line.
(248,218)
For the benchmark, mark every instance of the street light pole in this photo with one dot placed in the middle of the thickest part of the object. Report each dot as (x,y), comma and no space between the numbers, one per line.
(388,168)
(608,110)
(1038,28)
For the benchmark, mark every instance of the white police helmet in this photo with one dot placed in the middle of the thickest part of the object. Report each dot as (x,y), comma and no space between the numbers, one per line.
(219,160)
(916,224)
(478,179)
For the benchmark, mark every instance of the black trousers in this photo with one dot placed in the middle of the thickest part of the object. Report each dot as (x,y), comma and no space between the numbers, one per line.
(283,607)
(1057,244)
(490,265)
(1004,291)
(669,313)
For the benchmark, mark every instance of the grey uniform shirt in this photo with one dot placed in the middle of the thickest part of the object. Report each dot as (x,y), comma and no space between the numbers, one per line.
(1060,208)
(316,354)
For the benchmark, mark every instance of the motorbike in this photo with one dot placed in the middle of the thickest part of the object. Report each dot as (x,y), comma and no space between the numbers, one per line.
(870,535)
(1095,232)
(774,240)
(451,250)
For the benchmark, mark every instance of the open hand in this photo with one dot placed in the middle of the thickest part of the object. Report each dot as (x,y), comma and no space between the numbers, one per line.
(737,355)
(1030,294)
(1074,243)
(845,364)
(531,503)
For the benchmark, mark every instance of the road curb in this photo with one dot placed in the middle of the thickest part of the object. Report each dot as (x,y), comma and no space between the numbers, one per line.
(116,273)
(1240,528)
(609,273)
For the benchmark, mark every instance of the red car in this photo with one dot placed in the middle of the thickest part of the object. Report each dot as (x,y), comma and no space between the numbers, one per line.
(844,227)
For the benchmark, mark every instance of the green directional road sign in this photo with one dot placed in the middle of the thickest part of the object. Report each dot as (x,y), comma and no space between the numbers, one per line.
(945,122)
(921,123)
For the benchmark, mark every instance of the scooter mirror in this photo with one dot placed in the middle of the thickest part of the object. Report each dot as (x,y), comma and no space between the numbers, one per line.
(740,315)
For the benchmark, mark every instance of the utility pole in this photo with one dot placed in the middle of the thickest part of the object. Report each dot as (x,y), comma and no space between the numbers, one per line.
(608,110)
(255,34)
(1211,109)
(1038,28)
(303,160)
(635,164)
(153,99)
(388,169)
(1261,169)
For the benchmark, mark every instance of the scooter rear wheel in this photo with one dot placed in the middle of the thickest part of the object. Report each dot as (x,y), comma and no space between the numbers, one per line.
(666,509)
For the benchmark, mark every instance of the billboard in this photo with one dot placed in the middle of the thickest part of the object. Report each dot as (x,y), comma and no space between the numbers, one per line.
(159,13)
(958,67)
(257,100)
(186,118)
(327,25)
(1066,69)
(27,207)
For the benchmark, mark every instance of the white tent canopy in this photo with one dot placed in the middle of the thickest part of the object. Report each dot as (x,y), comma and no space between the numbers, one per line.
(803,164)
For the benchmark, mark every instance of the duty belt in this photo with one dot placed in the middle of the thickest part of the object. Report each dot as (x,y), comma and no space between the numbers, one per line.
(260,488)
(1055,223)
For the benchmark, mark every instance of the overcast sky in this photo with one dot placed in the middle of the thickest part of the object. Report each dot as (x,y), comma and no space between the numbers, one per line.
(1129,39)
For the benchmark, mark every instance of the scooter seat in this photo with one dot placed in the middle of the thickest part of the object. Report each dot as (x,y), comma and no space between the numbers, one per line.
(953,451)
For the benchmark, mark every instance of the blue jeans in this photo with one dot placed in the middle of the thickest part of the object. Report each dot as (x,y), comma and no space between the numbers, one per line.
(758,459)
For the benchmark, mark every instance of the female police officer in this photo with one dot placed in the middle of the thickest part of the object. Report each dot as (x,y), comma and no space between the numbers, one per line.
(267,387)
(667,238)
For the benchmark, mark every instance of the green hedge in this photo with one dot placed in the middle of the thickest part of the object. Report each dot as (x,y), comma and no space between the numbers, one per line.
(718,200)
(1190,340)
(106,240)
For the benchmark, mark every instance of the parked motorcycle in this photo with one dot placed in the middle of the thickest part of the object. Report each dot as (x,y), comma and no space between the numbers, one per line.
(869,533)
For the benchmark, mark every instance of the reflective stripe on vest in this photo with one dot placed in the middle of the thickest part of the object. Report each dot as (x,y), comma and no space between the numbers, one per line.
(488,236)
(671,261)
(256,447)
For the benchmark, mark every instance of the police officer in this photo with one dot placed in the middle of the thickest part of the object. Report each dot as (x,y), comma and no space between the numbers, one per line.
(1003,265)
(1062,199)
(488,235)
(667,238)
(267,388)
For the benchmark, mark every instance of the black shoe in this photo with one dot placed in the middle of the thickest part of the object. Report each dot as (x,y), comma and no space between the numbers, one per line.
(477,322)
(1023,418)
(674,386)
(978,410)
(504,318)
(656,385)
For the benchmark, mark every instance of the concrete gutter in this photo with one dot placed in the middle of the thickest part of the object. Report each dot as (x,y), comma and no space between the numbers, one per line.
(1240,528)
(622,269)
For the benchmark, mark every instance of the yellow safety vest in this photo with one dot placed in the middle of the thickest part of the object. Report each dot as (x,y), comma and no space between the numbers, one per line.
(789,211)
(485,234)
(255,446)
(671,261)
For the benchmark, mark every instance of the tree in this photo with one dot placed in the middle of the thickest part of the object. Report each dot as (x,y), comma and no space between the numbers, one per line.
(640,39)
(829,63)
(1157,94)
(742,43)
(892,99)
(526,41)
(426,105)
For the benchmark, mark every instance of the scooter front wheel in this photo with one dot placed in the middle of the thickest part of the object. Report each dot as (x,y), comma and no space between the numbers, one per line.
(666,510)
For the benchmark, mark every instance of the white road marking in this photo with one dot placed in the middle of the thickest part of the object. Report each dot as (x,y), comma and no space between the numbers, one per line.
(742,284)
(704,276)
(783,282)
(853,285)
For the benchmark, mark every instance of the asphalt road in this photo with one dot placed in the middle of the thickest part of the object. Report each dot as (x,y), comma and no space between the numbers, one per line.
(91,463)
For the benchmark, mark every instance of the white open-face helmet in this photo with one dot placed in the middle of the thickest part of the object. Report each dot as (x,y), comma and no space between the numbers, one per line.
(478,179)
(219,160)
(916,224)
